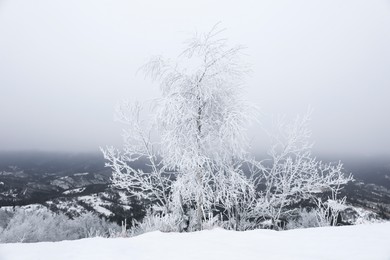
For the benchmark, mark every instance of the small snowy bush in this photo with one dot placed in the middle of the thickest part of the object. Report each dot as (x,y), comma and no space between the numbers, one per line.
(5,217)
(157,222)
(44,225)
(307,219)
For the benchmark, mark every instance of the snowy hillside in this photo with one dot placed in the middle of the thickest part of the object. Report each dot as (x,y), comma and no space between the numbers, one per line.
(370,241)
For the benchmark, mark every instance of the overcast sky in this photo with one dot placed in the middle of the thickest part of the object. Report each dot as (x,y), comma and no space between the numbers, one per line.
(65,64)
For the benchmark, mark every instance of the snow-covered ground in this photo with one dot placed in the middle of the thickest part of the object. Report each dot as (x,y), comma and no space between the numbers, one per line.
(97,203)
(369,241)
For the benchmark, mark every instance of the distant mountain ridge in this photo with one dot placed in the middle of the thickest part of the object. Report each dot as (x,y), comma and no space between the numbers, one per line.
(80,181)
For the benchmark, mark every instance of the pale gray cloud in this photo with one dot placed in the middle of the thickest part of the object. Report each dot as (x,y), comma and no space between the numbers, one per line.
(65,64)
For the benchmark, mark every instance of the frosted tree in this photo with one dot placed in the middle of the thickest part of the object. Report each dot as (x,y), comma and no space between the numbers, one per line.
(151,184)
(198,168)
(292,174)
(200,116)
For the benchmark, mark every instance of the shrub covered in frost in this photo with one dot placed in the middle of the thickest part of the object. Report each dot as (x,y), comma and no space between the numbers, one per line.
(44,225)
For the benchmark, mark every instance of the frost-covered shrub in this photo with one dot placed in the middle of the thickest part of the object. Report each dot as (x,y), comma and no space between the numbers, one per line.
(324,214)
(89,225)
(307,219)
(213,222)
(44,225)
(34,226)
(157,222)
(5,217)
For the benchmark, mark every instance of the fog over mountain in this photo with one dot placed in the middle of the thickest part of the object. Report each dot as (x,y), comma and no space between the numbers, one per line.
(65,64)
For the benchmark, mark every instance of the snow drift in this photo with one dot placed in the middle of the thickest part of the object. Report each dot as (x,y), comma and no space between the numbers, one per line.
(369,241)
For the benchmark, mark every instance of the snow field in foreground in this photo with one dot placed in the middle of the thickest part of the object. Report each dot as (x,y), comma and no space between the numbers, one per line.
(369,241)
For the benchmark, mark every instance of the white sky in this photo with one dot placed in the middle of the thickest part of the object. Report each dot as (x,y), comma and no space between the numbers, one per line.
(65,64)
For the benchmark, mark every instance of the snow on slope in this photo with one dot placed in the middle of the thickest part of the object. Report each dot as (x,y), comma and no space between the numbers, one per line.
(370,241)
(97,203)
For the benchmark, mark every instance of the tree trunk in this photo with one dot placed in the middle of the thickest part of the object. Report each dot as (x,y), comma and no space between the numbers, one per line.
(199,201)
